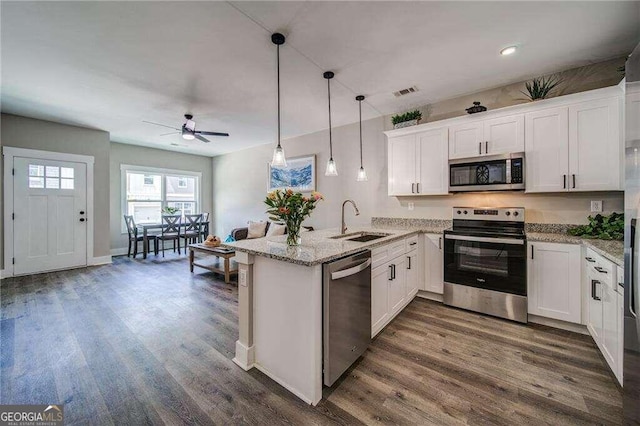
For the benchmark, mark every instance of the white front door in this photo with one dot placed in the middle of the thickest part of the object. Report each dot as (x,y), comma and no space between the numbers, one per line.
(50,208)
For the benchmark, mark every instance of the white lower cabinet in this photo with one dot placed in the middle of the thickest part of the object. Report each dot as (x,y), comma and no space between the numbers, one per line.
(394,280)
(605,317)
(554,281)
(433,263)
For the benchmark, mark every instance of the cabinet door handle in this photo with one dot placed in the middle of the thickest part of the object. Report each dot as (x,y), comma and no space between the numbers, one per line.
(486,147)
(593,290)
(531,251)
(440,243)
(574,180)
(390,273)
(480,148)
(589,259)
(418,188)
(409,259)
(393,270)
(600,269)
(564,181)
(413,186)
(413,243)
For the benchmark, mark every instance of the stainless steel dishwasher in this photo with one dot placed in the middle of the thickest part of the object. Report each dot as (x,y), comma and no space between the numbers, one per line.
(346,313)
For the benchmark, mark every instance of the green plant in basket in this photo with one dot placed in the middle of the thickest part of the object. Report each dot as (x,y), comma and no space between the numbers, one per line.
(540,88)
(291,208)
(601,227)
(407,116)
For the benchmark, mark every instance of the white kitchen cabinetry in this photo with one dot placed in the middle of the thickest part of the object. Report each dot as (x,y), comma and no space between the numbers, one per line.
(433,263)
(418,163)
(395,276)
(554,281)
(547,150)
(488,137)
(574,148)
(594,145)
(605,310)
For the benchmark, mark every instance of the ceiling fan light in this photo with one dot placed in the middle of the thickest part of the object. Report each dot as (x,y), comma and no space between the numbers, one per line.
(362,175)
(508,50)
(331,169)
(188,136)
(279,159)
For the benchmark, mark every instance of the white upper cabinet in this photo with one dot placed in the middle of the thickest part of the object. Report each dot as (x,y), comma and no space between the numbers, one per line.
(594,145)
(504,135)
(418,163)
(466,140)
(547,150)
(402,165)
(488,137)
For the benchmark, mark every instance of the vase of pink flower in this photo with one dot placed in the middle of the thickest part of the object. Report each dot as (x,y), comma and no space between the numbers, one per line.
(291,208)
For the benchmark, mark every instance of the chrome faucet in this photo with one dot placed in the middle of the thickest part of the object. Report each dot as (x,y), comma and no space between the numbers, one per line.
(343,230)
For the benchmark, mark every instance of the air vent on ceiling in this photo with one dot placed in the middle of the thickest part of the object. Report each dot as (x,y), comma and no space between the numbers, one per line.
(407,91)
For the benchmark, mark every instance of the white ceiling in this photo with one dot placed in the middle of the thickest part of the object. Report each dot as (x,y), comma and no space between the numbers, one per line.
(110,65)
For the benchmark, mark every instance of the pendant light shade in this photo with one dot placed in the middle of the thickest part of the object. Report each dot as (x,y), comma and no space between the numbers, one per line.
(332,169)
(362,174)
(279,159)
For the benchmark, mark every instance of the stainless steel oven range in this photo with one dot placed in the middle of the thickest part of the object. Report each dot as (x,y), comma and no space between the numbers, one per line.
(485,262)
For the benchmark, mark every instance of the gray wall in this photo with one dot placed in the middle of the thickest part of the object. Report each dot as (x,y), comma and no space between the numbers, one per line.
(149,157)
(23,132)
(240,178)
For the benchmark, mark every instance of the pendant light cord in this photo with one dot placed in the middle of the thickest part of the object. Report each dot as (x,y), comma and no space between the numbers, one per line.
(278,72)
(329,97)
(360,109)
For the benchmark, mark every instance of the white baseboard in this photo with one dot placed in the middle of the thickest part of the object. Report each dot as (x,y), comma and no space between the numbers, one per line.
(101,260)
(3,274)
(563,325)
(119,251)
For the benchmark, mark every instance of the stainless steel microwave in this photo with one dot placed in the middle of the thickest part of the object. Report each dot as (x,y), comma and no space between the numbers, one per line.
(504,172)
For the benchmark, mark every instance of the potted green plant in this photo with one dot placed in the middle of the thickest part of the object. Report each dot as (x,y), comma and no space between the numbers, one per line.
(601,227)
(540,88)
(407,119)
(170,210)
(291,208)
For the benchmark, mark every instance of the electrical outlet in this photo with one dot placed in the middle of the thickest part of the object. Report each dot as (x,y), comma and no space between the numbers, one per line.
(596,206)
(411,206)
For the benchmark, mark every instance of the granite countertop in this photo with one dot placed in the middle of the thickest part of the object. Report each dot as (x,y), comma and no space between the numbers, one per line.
(611,250)
(317,247)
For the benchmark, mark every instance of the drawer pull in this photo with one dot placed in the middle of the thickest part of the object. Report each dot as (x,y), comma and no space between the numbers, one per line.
(599,269)
(589,259)
(413,243)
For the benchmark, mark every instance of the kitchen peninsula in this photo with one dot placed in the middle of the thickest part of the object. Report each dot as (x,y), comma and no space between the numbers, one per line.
(280,303)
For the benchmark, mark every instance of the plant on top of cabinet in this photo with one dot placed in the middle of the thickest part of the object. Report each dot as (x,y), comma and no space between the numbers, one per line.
(601,227)
(407,119)
(540,88)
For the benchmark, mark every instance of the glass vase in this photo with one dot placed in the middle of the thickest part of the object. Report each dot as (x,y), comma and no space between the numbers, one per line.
(293,234)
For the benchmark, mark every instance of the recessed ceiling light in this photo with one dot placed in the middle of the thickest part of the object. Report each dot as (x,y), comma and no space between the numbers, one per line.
(508,50)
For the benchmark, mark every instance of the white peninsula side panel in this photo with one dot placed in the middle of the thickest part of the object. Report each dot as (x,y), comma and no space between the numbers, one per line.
(287,325)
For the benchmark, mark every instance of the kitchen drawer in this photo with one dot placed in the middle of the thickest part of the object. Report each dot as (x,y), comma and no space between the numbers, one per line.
(412,243)
(382,255)
(601,269)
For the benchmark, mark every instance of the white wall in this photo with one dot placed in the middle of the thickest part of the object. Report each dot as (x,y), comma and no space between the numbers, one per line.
(149,157)
(240,182)
(23,132)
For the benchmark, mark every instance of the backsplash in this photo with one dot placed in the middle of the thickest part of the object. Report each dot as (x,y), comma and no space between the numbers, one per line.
(401,222)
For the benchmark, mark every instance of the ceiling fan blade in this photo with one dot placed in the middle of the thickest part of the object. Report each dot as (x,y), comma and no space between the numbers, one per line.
(158,124)
(172,133)
(200,138)
(212,133)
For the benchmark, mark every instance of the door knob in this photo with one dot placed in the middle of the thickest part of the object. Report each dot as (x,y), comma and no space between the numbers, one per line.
(82,219)
(81,211)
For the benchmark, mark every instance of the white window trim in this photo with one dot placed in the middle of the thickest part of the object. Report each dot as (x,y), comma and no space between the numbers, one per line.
(124,168)
(9,153)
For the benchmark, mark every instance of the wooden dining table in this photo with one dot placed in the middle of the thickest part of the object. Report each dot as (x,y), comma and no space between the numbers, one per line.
(146,227)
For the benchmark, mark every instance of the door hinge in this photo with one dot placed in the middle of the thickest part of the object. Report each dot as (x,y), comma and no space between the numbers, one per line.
(13,260)
(13,172)
(13,216)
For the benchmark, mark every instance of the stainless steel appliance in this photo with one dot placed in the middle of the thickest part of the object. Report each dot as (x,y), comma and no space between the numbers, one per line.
(631,360)
(346,313)
(485,262)
(503,172)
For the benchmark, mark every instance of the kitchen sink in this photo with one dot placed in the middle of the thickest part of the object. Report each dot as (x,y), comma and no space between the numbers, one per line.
(361,237)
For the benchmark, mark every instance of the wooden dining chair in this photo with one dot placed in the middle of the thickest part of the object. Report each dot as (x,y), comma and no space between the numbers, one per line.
(171,225)
(134,238)
(193,229)
(204,229)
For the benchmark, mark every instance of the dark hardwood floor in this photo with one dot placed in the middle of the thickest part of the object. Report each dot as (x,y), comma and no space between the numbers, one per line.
(146,342)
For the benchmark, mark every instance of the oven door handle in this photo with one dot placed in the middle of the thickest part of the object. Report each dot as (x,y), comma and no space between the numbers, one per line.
(512,241)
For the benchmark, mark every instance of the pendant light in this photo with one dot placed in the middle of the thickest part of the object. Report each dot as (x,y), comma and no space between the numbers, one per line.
(279,159)
(362,174)
(331,170)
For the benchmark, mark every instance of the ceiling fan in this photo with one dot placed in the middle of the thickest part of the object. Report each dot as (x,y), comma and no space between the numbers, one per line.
(188,130)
